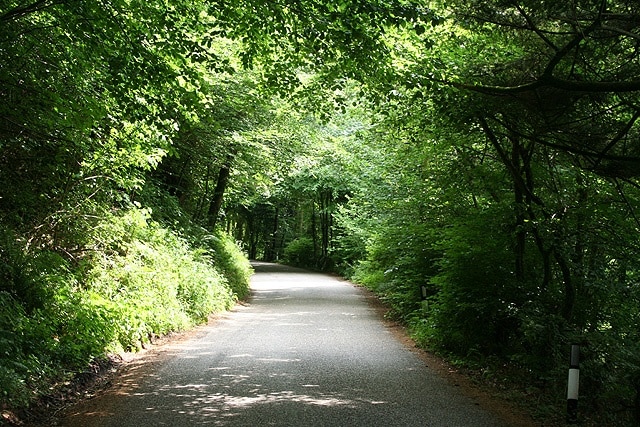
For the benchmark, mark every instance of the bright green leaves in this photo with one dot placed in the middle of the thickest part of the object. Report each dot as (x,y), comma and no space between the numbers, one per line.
(336,40)
(153,279)
(93,96)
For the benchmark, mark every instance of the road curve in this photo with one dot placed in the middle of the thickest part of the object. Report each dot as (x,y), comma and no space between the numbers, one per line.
(307,350)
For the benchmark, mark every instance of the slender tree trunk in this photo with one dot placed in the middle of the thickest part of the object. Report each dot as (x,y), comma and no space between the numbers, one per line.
(581,249)
(314,231)
(569,289)
(326,201)
(519,198)
(519,166)
(203,198)
(218,193)
(251,236)
(280,248)
(274,236)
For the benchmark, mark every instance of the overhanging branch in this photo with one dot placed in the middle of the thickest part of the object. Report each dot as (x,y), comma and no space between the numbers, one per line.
(550,82)
(20,11)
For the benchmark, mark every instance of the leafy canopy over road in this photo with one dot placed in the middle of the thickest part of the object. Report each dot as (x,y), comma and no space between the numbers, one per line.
(397,142)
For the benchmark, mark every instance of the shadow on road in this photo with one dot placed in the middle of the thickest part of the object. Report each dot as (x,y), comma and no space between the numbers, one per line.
(269,267)
(307,351)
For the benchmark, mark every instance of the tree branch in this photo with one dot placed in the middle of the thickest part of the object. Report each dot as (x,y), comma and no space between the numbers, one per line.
(572,44)
(19,12)
(621,31)
(626,201)
(550,82)
(535,29)
(621,134)
(547,78)
(517,177)
(571,149)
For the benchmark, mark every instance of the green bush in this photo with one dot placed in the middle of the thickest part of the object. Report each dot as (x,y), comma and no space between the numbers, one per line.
(300,253)
(156,281)
(231,262)
(476,307)
(399,262)
(12,368)
(136,279)
(60,334)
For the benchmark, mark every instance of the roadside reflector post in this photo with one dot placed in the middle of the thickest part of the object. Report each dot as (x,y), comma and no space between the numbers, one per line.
(573,384)
(423,292)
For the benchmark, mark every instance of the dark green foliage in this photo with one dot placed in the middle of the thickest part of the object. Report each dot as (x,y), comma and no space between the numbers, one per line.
(300,253)
(346,253)
(476,307)
(498,171)
(398,266)
(14,273)
(12,358)
(526,247)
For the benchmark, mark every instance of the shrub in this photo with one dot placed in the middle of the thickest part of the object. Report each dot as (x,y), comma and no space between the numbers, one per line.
(399,262)
(59,334)
(136,279)
(476,307)
(300,253)
(231,262)
(157,281)
(12,368)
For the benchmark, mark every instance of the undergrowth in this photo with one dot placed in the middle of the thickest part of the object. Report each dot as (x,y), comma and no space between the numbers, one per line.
(134,280)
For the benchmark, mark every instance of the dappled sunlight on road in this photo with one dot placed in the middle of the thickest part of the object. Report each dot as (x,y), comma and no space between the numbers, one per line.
(306,350)
(223,393)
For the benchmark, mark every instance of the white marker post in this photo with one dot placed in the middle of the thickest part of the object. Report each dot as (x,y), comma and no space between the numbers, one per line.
(573,384)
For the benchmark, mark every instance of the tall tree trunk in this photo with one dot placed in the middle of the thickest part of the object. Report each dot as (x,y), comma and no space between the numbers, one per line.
(218,193)
(273,250)
(202,200)
(569,301)
(314,232)
(519,198)
(326,200)
(519,167)
(252,236)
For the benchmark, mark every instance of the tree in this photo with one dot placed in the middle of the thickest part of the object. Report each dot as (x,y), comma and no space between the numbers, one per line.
(519,113)
(503,136)
(570,70)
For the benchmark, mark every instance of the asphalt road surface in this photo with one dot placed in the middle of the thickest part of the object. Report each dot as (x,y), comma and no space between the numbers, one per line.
(307,350)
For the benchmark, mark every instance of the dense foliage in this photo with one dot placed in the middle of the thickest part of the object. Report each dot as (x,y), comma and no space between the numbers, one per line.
(495,174)
(475,162)
(98,251)
(507,188)
(137,281)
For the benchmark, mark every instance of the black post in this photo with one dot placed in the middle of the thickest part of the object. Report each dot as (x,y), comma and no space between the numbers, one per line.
(573,385)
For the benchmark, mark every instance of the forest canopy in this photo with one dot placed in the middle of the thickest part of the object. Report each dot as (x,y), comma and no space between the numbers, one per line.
(476,163)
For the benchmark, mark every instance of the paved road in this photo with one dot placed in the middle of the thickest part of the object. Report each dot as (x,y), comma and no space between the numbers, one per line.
(307,351)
